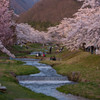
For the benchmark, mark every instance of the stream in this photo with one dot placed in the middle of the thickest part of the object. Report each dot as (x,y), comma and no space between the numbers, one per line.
(46,81)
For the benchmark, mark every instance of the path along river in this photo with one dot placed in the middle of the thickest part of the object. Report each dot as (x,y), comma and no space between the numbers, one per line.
(46,81)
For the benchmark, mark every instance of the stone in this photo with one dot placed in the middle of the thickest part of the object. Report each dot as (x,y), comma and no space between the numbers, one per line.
(3,89)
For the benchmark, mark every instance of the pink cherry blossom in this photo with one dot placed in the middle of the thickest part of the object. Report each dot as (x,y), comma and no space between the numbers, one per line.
(7,27)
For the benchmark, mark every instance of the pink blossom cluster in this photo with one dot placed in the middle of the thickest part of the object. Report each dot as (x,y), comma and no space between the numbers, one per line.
(83,28)
(7,27)
(25,33)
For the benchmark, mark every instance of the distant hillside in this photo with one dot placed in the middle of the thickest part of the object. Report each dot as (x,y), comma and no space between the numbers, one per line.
(20,6)
(50,11)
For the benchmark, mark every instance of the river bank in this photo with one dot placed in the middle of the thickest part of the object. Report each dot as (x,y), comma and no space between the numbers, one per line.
(46,81)
(81,67)
(8,70)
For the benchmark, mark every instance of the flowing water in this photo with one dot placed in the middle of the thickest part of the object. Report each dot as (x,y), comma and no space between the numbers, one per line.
(46,81)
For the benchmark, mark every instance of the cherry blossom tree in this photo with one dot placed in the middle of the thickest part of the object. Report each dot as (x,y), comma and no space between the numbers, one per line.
(7,27)
(83,28)
(25,33)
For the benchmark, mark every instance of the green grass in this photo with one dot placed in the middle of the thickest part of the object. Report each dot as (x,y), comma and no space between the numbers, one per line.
(88,90)
(86,69)
(25,50)
(79,66)
(14,90)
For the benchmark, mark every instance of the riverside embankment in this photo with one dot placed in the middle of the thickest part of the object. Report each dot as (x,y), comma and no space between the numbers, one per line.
(9,69)
(81,67)
(46,81)
(86,65)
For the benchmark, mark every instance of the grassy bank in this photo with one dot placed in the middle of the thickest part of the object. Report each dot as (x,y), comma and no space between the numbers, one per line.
(23,51)
(8,70)
(81,67)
